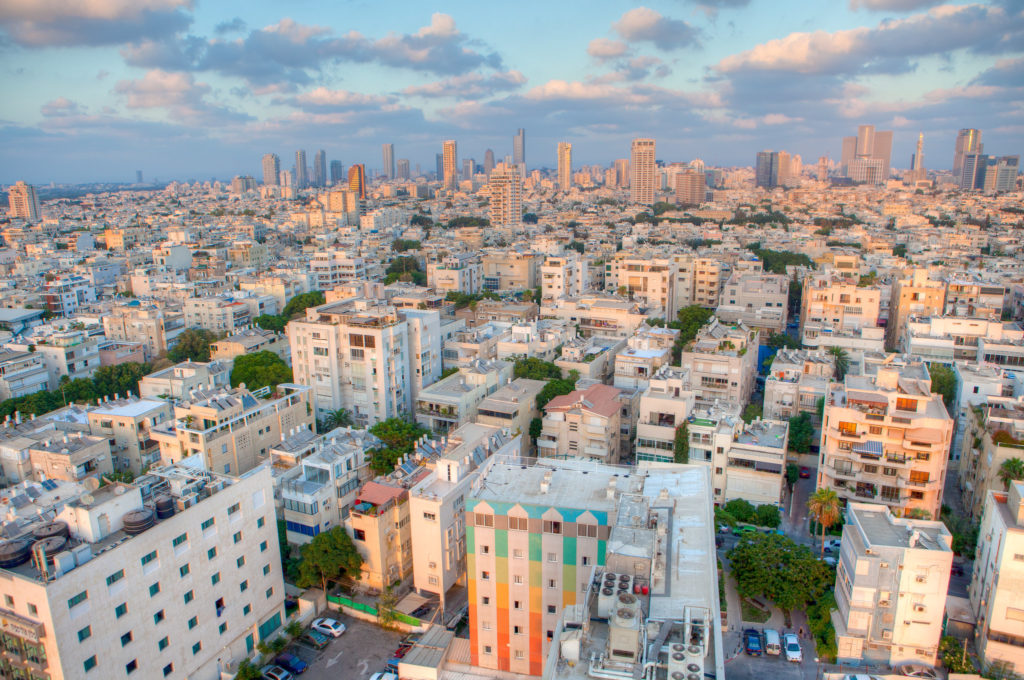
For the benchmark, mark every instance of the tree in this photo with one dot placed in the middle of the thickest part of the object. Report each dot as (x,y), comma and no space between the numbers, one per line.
(752,411)
(193,345)
(293,629)
(824,507)
(801,432)
(779,340)
(535,369)
(691,319)
(247,670)
(399,438)
(530,218)
(536,425)
(767,516)
(1011,470)
(681,449)
(300,302)
(954,655)
(335,419)
(943,382)
(330,555)
(555,388)
(260,370)
(120,378)
(386,603)
(578,246)
(741,509)
(271,322)
(792,474)
(779,569)
(841,360)
(402,245)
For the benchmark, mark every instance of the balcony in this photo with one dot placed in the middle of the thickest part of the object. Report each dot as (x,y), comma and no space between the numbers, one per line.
(547,444)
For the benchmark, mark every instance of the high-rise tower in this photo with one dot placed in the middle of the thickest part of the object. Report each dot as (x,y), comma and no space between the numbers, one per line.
(320,168)
(968,140)
(488,161)
(23,202)
(388,156)
(403,168)
(337,172)
(357,179)
(506,188)
(642,172)
(519,147)
(449,163)
(271,170)
(564,166)
(301,178)
(866,157)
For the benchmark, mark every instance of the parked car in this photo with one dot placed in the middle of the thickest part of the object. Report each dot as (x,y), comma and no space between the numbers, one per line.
(860,676)
(829,560)
(291,663)
(776,531)
(743,529)
(792,646)
(384,676)
(833,544)
(392,665)
(805,472)
(752,642)
(315,639)
(410,639)
(329,627)
(723,528)
(772,642)
(916,670)
(275,673)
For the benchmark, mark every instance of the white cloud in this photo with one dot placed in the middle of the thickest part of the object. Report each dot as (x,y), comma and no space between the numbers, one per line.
(603,49)
(643,24)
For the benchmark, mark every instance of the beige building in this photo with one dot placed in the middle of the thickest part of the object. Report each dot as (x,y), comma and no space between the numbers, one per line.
(916,296)
(891,585)
(582,424)
(512,407)
(156,329)
(233,430)
(993,433)
(126,424)
(71,457)
(592,357)
(74,354)
(997,600)
(250,341)
(698,280)
(606,315)
(455,273)
(646,280)
(796,381)
(664,406)
(832,304)
(885,439)
(974,297)
(21,373)
(453,401)
(332,268)
(510,270)
(564,276)
(722,362)
(380,528)
(178,381)
(757,300)
(645,352)
(505,186)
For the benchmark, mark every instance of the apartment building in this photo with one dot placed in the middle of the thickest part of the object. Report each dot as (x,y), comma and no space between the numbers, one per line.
(180,380)
(974,297)
(512,407)
(250,341)
(469,345)
(885,439)
(72,353)
(353,354)
(796,381)
(563,545)
(509,270)
(379,525)
(592,357)
(456,273)
(71,457)
(606,315)
(281,288)
(156,329)
(226,313)
(564,276)
(190,598)
(664,406)
(67,294)
(582,424)
(503,311)
(426,340)
(233,430)
(699,280)
(646,280)
(993,432)
(437,503)
(540,339)
(756,300)
(832,304)
(918,296)
(722,362)
(891,585)
(21,373)
(126,423)
(645,352)
(453,401)
(332,268)
(996,597)
(949,339)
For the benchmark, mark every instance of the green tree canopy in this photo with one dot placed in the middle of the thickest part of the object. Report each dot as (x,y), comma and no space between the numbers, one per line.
(193,345)
(943,382)
(826,510)
(767,516)
(841,362)
(1011,470)
(399,437)
(120,378)
(779,569)
(530,218)
(271,322)
(401,245)
(741,509)
(776,261)
(555,388)
(330,555)
(681,447)
(536,369)
(801,433)
(300,302)
(259,370)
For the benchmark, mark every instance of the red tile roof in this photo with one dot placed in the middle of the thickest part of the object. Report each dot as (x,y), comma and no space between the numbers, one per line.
(600,399)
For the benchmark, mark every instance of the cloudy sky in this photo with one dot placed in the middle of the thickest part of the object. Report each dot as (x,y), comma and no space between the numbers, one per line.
(95,89)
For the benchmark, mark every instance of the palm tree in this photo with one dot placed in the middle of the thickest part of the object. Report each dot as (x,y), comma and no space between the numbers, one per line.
(842,361)
(824,507)
(339,418)
(1011,470)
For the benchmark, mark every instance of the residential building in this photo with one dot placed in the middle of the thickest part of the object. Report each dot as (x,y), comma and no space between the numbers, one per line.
(832,304)
(21,373)
(645,352)
(468,345)
(190,598)
(67,294)
(271,169)
(250,341)
(510,270)
(74,354)
(796,381)
(540,339)
(506,193)
(353,354)
(664,406)
(995,594)
(217,313)
(644,279)
(885,439)
(457,273)
(332,268)
(592,357)
(156,329)
(564,276)
(512,407)
(23,202)
(453,401)
(126,424)
(180,380)
(755,462)
(582,424)
(722,362)
(71,457)
(564,166)
(891,585)
(949,339)
(642,172)
(379,525)
(698,281)
(357,180)
(232,430)
(993,433)
(757,300)
(449,165)
(972,297)
(916,296)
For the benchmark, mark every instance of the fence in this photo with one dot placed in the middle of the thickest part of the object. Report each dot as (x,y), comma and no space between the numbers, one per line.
(371,610)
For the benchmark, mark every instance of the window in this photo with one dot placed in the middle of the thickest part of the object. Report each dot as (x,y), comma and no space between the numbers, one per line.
(552,557)
(485,576)
(222,628)
(193,622)
(146,559)
(517,604)
(211,553)
(121,610)
(233,509)
(85,634)
(178,540)
(126,638)
(429,516)
(78,599)
(552,527)
(260,522)
(189,596)
(184,570)
(207,524)
(517,553)
(215,579)
(159,616)
(263,546)
(270,593)
(243,586)
(585,560)
(588,530)
(90,663)
(485,549)
(904,404)
(484,520)
(847,428)
(486,625)
(246,610)
(131,667)
(517,630)
(518,524)
(162,645)
(115,577)
(517,580)
(32,609)
(266,569)
(551,609)
(486,600)
(237,538)
(551,583)
(196,647)
(520,654)
(154,589)
(240,562)
(487,650)
(168,669)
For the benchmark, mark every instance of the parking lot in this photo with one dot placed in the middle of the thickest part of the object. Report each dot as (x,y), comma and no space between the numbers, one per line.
(739,666)
(363,650)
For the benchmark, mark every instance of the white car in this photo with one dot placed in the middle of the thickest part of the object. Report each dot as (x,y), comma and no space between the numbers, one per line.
(329,627)
(791,644)
(383,676)
(833,544)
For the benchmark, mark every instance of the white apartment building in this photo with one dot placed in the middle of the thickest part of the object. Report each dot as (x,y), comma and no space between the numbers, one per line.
(512,407)
(66,295)
(21,373)
(332,268)
(457,273)
(452,401)
(997,600)
(425,347)
(722,362)
(538,338)
(217,313)
(510,270)
(645,352)
(157,330)
(796,381)
(664,406)
(645,279)
(177,575)
(74,354)
(178,381)
(564,276)
(592,357)
(949,339)
(832,304)
(993,432)
(126,424)
(757,300)
(353,354)
(891,585)
(596,314)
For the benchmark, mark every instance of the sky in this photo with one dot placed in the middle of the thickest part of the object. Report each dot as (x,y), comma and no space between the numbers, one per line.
(94,90)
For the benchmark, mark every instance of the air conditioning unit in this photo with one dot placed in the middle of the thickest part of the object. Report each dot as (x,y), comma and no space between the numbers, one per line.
(887,634)
(918,607)
(922,579)
(432,565)
(883,603)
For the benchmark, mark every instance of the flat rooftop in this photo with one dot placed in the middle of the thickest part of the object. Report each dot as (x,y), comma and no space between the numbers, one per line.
(882,529)
(522,484)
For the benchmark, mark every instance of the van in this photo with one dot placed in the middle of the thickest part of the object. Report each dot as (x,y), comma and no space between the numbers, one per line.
(772,643)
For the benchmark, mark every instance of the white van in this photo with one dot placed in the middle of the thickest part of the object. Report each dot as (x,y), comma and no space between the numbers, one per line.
(772,643)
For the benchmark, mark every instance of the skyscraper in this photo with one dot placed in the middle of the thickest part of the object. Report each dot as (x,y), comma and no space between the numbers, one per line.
(271,170)
(691,187)
(564,166)
(403,168)
(450,164)
(519,147)
(506,189)
(337,172)
(866,157)
(972,171)
(642,172)
(320,168)
(622,173)
(388,153)
(439,162)
(468,168)
(357,180)
(301,178)
(23,202)
(488,161)
(138,176)
(917,160)
(968,140)
(766,173)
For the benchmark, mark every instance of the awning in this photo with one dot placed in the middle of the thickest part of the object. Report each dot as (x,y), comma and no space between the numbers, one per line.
(870,448)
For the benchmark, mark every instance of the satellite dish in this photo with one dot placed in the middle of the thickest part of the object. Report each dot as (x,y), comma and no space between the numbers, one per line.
(91,483)
(87,499)
(119,490)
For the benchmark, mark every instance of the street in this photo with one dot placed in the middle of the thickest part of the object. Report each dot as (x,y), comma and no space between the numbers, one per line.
(363,650)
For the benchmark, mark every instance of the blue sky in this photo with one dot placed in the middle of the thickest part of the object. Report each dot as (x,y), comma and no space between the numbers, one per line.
(197,89)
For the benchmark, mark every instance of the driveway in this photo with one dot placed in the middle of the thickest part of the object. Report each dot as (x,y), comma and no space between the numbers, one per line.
(363,650)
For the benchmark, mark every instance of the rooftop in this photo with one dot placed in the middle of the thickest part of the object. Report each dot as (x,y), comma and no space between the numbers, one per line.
(882,529)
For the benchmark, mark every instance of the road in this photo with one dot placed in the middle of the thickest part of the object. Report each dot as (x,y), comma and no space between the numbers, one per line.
(363,650)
